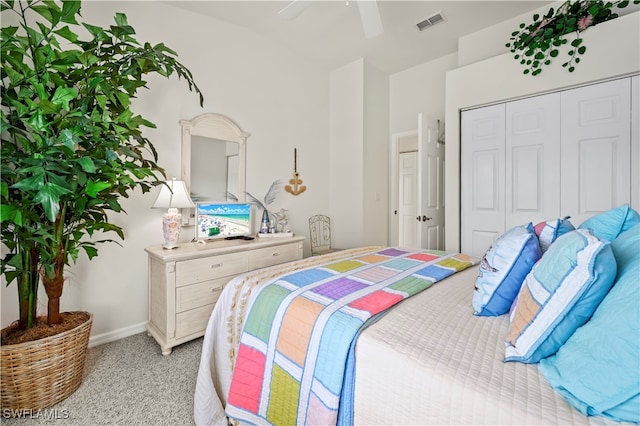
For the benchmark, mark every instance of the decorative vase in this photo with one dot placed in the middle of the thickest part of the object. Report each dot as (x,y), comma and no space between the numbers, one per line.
(264,224)
(38,374)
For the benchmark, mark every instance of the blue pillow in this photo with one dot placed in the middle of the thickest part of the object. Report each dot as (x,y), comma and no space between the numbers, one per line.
(608,225)
(503,269)
(550,230)
(598,369)
(559,295)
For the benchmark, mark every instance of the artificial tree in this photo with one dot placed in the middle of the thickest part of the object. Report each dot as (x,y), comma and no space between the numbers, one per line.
(71,145)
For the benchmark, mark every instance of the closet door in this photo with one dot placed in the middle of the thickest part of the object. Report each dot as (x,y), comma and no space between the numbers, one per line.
(482,180)
(596,149)
(532,160)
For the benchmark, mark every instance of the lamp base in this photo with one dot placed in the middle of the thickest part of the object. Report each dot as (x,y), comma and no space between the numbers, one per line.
(171,226)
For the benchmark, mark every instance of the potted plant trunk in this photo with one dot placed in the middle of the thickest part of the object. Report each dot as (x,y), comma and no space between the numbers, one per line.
(71,148)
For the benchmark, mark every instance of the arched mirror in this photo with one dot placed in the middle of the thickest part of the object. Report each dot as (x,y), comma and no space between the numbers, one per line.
(213,158)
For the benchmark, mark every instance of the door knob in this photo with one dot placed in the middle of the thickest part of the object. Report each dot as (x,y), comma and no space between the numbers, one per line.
(424,218)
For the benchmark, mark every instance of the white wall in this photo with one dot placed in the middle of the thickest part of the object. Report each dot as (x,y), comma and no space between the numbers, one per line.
(345,161)
(613,49)
(375,157)
(278,97)
(359,155)
(420,89)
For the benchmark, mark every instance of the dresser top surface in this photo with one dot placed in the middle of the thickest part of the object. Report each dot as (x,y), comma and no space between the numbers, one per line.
(192,250)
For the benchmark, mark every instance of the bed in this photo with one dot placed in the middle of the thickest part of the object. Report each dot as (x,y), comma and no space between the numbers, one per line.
(427,360)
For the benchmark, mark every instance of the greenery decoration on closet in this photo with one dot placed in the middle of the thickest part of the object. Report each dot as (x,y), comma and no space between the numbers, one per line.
(72,146)
(536,44)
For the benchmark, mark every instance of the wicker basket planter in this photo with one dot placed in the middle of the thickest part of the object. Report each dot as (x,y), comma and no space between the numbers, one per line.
(39,374)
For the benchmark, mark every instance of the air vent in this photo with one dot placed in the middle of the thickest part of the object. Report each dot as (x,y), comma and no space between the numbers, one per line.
(429,22)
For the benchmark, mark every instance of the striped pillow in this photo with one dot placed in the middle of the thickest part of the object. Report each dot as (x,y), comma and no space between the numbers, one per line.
(550,230)
(503,269)
(559,295)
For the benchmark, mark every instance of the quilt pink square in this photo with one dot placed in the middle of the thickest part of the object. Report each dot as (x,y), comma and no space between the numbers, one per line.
(247,379)
(376,302)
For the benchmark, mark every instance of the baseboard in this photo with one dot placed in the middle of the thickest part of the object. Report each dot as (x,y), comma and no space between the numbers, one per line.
(118,334)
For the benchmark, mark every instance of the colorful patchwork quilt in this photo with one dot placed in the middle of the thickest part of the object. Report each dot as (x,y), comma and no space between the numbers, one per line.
(290,365)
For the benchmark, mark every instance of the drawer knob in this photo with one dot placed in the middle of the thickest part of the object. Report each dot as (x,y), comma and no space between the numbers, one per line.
(215,265)
(275,253)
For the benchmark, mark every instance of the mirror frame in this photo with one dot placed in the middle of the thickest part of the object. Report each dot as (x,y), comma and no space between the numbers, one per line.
(216,126)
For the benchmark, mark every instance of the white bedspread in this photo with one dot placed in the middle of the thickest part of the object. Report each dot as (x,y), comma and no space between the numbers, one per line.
(449,367)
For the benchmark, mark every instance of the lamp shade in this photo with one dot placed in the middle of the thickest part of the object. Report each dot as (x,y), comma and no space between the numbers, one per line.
(173,195)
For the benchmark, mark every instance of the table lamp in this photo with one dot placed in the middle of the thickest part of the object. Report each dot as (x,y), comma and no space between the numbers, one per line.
(172,196)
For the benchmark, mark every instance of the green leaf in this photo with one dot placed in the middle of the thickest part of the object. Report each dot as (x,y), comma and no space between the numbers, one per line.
(576,42)
(37,122)
(121,19)
(87,164)
(51,14)
(93,188)
(11,214)
(91,251)
(68,139)
(49,198)
(32,183)
(582,49)
(66,33)
(63,95)
(70,8)
(6,4)
(48,107)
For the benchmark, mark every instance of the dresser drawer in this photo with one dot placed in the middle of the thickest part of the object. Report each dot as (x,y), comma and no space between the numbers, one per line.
(196,295)
(198,270)
(269,256)
(193,321)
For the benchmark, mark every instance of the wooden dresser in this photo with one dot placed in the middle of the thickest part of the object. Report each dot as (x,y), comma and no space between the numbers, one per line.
(185,283)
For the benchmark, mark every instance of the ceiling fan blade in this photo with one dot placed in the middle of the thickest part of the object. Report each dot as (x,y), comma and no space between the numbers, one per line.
(293,9)
(370,16)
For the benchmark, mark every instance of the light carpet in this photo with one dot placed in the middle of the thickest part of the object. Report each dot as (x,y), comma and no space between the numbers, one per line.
(128,382)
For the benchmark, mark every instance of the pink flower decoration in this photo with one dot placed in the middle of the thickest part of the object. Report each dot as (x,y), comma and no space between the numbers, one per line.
(564,8)
(542,24)
(585,22)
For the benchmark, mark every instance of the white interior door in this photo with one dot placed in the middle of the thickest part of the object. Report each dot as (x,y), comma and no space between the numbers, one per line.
(532,160)
(482,178)
(431,188)
(408,199)
(596,148)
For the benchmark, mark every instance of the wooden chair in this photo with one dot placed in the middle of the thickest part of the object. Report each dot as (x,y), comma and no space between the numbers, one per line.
(320,234)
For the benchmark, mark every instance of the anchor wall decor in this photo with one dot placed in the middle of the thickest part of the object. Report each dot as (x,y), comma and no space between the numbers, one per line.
(297,187)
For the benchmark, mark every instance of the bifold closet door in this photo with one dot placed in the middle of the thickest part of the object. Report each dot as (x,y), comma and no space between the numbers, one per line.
(532,160)
(596,148)
(482,178)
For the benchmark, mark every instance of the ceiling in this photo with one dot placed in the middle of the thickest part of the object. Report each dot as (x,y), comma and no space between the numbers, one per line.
(330,33)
